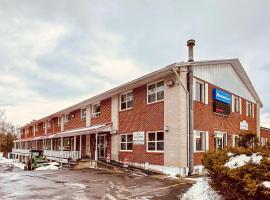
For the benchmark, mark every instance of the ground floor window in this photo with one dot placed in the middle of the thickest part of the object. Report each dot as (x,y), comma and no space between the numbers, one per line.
(263,141)
(127,142)
(235,141)
(200,141)
(155,141)
(220,140)
(68,144)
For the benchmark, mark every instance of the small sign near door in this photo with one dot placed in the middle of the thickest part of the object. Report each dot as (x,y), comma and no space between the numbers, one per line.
(244,125)
(138,138)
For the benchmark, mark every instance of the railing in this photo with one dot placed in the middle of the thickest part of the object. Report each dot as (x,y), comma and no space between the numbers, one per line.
(129,161)
(74,155)
(20,151)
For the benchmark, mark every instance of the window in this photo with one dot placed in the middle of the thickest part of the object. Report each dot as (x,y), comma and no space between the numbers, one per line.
(126,101)
(83,114)
(200,141)
(127,142)
(236,104)
(155,92)
(44,125)
(263,141)
(199,96)
(249,108)
(49,123)
(236,140)
(67,118)
(155,141)
(36,127)
(220,140)
(96,110)
(59,121)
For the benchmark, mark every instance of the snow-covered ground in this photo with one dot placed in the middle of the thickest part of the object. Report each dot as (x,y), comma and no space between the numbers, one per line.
(266,184)
(15,163)
(241,160)
(49,166)
(201,190)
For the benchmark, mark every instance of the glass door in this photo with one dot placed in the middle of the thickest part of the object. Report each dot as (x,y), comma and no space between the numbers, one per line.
(102,144)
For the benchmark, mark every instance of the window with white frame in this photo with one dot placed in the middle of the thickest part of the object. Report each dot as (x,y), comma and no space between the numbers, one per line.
(155,141)
(126,142)
(49,124)
(126,100)
(43,125)
(236,104)
(249,108)
(220,140)
(96,110)
(155,92)
(199,91)
(200,141)
(235,141)
(36,127)
(83,114)
(59,121)
(263,141)
(67,118)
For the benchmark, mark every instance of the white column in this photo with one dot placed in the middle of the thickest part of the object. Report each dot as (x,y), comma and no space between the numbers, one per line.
(74,148)
(96,149)
(61,144)
(51,145)
(80,146)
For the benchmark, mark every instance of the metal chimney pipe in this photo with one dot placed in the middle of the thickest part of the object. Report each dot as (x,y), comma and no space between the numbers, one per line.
(190,44)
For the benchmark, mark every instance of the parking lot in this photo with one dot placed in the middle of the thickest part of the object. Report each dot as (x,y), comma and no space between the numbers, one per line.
(86,184)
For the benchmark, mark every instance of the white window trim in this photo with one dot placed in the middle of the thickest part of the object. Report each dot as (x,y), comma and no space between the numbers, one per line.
(43,125)
(95,114)
(238,104)
(203,90)
(49,125)
(206,133)
(155,92)
(83,118)
(220,134)
(126,142)
(59,121)
(66,118)
(126,101)
(247,109)
(155,151)
(233,139)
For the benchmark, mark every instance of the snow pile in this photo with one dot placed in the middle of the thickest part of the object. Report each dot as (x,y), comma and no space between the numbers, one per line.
(266,184)
(47,167)
(241,160)
(201,191)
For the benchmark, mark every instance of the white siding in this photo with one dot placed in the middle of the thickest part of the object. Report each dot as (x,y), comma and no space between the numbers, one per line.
(224,76)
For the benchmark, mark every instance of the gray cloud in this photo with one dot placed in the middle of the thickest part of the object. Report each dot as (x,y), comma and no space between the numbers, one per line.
(52,51)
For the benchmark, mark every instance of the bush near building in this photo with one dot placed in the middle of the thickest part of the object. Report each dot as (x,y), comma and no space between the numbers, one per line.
(244,181)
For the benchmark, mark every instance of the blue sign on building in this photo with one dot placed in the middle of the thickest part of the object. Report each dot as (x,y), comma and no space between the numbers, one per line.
(221,96)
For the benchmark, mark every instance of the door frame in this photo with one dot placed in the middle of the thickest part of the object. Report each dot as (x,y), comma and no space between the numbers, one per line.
(105,146)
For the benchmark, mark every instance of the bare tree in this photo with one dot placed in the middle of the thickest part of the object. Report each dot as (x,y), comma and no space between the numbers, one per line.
(8,133)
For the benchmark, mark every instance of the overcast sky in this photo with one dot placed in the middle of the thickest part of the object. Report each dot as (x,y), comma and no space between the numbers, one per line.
(56,53)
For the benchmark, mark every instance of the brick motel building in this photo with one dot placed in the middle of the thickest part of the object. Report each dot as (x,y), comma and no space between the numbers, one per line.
(162,119)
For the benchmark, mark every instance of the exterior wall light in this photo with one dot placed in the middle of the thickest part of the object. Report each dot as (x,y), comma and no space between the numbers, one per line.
(170,82)
(166,128)
(113,132)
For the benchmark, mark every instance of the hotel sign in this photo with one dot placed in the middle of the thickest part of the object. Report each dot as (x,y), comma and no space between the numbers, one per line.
(138,138)
(221,96)
(244,125)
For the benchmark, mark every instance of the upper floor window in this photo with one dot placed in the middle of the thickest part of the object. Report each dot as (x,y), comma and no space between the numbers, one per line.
(263,141)
(83,113)
(36,127)
(126,100)
(236,104)
(200,141)
(155,141)
(49,124)
(199,91)
(67,118)
(43,125)
(96,110)
(59,121)
(126,142)
(155,92)
(249,109)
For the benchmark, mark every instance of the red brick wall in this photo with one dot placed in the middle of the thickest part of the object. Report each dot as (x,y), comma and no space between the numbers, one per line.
(206,120)
(265,133)
(142,117)
(105,113)
(75,122)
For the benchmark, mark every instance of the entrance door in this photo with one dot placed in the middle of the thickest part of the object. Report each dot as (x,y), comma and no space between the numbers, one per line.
(102,145)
